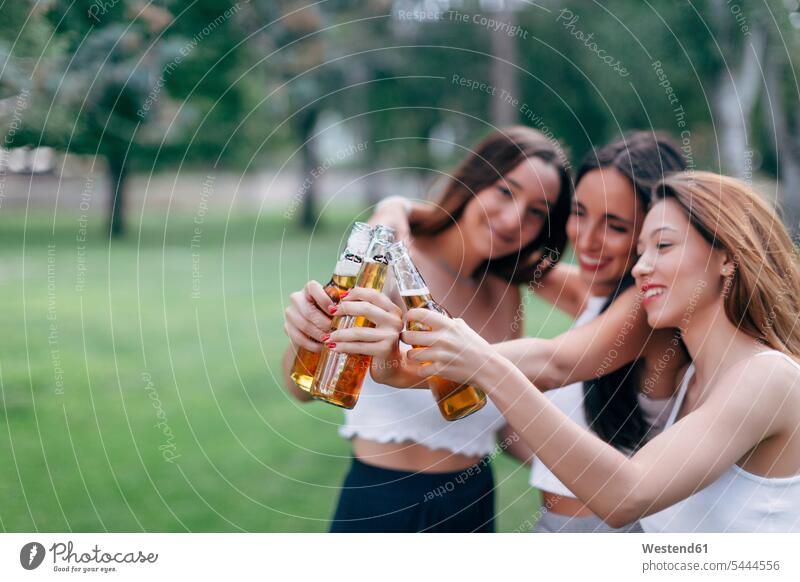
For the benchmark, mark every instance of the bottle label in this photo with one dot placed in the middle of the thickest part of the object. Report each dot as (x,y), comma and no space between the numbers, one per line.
(353,258)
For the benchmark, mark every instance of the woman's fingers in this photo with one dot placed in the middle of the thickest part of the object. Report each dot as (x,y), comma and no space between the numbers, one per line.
(301,340)
(360,348)
(376,298)
(295,320)
(421,361)
(373,313)
(420,338)
(362,334)
(430,318)
(364,340)
(316,294)
(421,355)
(309,311)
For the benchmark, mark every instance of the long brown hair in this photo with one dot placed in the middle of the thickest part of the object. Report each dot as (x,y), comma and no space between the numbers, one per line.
(499,153)
(611,402)
(763,295)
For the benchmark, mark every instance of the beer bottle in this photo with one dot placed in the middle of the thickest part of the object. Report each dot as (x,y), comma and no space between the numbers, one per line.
(343,279)
(339,376)
(454,400)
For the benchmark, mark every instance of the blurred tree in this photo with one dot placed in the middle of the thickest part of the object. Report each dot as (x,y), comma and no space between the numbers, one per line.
(304,53)
(104,83)
(128,82)
(137,82)
(30,61)
(504,62)
(780,115)
(289,31)
(739,80)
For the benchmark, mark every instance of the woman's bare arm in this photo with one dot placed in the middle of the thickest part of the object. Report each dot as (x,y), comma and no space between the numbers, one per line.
(743,408)
(615,338)
(514,445)
(563,288)
(686,457)
(396,212)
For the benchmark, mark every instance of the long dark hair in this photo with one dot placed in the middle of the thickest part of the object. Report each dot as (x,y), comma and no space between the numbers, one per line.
(611,402)
(499,153)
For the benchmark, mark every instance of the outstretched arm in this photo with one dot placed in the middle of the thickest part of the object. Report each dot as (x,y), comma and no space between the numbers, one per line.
(617,337)
(739,413)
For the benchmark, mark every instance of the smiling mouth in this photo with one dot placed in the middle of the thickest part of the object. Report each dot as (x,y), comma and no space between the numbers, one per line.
(508,240)
(588,263)
(652,292)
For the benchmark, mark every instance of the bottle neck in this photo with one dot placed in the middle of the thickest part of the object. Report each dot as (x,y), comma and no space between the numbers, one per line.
(348,265)
(409,279)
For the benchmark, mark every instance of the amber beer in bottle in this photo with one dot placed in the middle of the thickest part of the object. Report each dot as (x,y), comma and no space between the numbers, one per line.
(454,400)
(340,376)
(344,277)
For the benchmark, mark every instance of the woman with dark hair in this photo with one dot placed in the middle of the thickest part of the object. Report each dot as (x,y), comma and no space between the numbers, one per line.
(615,375)
(717,264)
(623,405)
(501,216)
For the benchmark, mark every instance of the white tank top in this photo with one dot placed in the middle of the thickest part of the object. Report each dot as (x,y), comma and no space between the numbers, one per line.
(738,501)
(386,414)
(569,399)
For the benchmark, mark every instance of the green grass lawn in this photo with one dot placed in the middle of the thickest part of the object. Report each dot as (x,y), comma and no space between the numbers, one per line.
(140,380)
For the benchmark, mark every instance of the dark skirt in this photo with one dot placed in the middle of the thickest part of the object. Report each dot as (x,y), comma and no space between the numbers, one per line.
(374,499)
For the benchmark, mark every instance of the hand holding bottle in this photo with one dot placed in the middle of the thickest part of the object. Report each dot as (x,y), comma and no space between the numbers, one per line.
(451,348)
(307,318)
(381,341)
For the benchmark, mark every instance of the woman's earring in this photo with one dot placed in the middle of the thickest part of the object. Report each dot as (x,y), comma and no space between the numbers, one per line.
(727,273)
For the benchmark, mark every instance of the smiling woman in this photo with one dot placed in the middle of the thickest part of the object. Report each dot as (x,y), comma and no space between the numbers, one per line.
(615,375)
(499,221)
(715,259)
(523,224)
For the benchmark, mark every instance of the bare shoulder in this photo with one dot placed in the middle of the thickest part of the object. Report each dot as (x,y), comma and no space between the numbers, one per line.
(770,368)
(768,380)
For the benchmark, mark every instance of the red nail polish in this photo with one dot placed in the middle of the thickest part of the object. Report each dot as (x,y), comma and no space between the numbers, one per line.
(345,294)
(332,309)
(331,346)
(326,337)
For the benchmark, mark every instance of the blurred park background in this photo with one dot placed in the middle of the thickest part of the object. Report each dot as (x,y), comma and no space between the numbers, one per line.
(171,170)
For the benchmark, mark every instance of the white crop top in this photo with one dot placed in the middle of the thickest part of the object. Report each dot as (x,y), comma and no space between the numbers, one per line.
(569,399)
(386,414)
(738,501)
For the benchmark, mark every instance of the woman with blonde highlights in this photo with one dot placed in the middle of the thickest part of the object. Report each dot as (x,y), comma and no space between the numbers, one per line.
(716,263)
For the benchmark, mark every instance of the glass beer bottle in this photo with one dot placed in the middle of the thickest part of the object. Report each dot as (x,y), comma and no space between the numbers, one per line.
(340,376)
(454,400)
(343,279)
